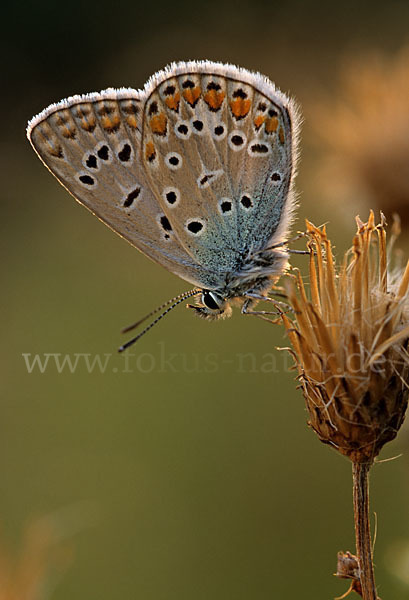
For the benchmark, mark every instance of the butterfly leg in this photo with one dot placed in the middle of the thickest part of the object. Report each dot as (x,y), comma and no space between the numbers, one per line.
(262,314)
(280,305)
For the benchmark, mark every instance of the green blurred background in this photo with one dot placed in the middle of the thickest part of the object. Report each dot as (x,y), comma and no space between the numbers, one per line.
(188,472)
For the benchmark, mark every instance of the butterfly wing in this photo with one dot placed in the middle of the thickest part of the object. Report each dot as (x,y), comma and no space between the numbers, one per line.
(218,147)
(195,170)
(92,144)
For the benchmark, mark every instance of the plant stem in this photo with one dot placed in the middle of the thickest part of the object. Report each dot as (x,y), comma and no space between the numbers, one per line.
(360,474)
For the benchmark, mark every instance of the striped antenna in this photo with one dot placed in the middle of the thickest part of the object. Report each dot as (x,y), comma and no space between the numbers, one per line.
(173,303)
(183,296)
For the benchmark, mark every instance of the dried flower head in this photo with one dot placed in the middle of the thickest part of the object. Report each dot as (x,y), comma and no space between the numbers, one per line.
(363,132)
(350,342)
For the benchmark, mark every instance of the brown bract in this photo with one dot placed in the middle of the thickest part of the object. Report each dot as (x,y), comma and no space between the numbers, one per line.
(350,340)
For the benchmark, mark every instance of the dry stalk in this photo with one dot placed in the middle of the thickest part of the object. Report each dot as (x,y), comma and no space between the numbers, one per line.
(350,342)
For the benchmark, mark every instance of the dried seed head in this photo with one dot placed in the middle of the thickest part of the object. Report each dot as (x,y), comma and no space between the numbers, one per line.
(350,340)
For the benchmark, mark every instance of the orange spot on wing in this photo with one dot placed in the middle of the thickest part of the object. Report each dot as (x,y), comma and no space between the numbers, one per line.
(281,135)
(158,124)
(88,124)
(111,123)
(240,107)
(66,124)
(82,110)
(132,122)
(62,118)
(214,99)
(87,120)
(48,140)
(150,151)
(192,95)
(45,139)
(271,125)
(173,101)
(259,120)
(68,133)
(57,152)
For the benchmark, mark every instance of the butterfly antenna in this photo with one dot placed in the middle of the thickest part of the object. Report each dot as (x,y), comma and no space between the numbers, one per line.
(178,300)
(181,297)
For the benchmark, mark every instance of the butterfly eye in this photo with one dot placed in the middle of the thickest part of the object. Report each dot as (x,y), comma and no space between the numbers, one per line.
(212,300)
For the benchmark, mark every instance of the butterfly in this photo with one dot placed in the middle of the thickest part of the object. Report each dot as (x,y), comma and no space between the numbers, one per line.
(196,170)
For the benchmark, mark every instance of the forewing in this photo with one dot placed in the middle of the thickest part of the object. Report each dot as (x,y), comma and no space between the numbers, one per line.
(92,144)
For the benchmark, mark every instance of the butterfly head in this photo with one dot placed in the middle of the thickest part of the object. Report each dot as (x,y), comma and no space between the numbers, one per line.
(211,305)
